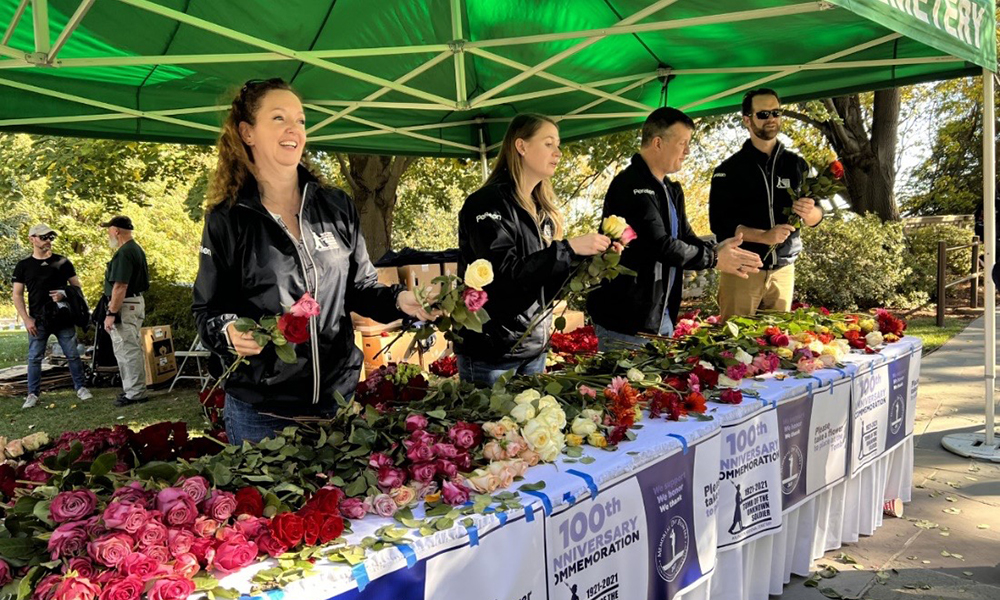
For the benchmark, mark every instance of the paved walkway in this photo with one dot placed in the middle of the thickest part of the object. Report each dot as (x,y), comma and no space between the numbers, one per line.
(931,553)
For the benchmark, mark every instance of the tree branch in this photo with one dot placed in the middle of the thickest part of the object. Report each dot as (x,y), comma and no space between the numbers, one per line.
(346,172)
(822,126)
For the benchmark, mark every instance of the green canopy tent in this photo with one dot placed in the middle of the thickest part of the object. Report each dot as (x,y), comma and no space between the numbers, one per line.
(443,77)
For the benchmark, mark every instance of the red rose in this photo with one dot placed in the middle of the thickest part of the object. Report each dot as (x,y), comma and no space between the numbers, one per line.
(311,522)
(332,528)
(837,169)
(295,329)
(249,502)
(731,396)
(267,543)
(326,500)
(288,529)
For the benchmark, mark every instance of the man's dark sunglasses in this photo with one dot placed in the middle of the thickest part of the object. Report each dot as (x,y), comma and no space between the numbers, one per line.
(764,115)
(48,237)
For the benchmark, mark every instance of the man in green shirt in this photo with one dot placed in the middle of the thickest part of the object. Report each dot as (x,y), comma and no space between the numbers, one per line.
(125,279)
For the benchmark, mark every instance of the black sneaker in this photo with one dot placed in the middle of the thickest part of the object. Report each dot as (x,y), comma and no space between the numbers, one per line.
(123,400)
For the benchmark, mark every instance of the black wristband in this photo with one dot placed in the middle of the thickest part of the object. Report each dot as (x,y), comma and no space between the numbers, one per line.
(112,314)
(715,258)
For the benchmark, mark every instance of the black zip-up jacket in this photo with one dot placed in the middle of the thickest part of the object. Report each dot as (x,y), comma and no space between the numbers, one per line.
(635,304)
(527,271)
(751,188)
(251,267)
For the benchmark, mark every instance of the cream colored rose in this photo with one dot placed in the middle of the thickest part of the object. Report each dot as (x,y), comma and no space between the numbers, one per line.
(403,496)
(3,444)
(527,396)
(493,451)
(14,449)
(742,356)
(829,361)
(523,412)
(482,481)
(549,452)
(726,382)
(547,402)
(530,457)
(593,415)
(638,413)
(537,433)
(613,226)
(479,274)
(816,347)
(509,425)
(494,429)
(519,466)
(634,374)
(554,417)
(597,440)
(35,441)
(874,339)
(583,427)
(784,352)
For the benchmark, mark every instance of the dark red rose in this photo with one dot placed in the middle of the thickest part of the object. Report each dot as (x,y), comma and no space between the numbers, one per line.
(249,502)
(332,528)
(295,329)
(312,520)
(326,500)
(288,529)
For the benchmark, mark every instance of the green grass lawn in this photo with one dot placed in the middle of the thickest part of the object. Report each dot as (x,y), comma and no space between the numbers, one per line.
(13,348)
(933,336)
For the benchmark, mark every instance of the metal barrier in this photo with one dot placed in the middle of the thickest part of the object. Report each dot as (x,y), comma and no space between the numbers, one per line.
(942,285)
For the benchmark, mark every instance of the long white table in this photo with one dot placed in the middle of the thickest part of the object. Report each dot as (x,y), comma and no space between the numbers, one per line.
(755,493)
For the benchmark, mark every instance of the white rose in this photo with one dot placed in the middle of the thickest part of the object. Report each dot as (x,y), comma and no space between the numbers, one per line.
(874,339)
(479,274)
(555,417)
(548,452)
(634,375)
(527,396)
(523,412)
(593,415)
(537,433)
(584,427)
(508,424)
(742,356)
(829,361)
(816,347)
(546,402)
(726,382)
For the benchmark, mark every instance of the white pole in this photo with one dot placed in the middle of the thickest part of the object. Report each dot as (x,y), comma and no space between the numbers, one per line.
(482,156)
(989,217)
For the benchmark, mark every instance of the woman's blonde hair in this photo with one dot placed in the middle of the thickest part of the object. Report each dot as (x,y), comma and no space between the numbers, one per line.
(235,158)
(542,203)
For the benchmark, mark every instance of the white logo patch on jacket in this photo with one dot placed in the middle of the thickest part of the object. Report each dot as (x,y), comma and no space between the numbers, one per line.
(325,241)
(644,191)
(489,215)
(783,183)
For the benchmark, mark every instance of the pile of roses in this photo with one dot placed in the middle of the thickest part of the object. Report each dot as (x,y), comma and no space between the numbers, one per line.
(446,366)
(581,340)
(392,384)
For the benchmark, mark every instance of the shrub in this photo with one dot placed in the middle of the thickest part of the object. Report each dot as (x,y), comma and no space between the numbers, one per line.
(854,261)
(170,304)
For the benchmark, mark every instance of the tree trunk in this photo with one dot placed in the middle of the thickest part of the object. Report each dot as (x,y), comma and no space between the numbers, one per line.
(869,159)
(374,181)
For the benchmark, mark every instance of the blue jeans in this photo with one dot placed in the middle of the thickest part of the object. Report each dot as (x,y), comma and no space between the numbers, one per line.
(36,351)
(486,372)
(608,340)
(245,423)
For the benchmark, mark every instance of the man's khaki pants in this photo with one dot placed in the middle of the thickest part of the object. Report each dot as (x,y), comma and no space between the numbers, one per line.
(763,290)
(128,347)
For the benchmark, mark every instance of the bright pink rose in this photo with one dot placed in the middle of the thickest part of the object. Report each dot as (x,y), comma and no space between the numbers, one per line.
(221,505)
(416,423)
(736,372)
(76,588)
(173,587)
(446,468)
(127,517)
(186,565)
(423,471)
(251,527)
(140,565)
(68,539)
(384,506)
(305,307)
(465,435)
(72,506)
(391,477)
(474,299)
(111,549)
(129,588)
(586,391)
(179,541)
(420,453)
(235,554)
(628,235)
(205,526)
(454,494)
(177,506)
(377,460)
(196,487)
(444,450)
(83,567)
(153,533)
(780,340)
(356,508)
(5,576)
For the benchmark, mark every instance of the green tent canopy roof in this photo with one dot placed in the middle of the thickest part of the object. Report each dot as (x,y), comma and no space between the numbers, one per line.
(443,77)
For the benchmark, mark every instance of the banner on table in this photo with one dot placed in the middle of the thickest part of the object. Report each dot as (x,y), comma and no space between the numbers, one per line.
(913,388)
(749,479)
(813,440)
(649,536)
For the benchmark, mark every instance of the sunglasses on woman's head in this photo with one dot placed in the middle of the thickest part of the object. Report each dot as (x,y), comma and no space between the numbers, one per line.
(255,82)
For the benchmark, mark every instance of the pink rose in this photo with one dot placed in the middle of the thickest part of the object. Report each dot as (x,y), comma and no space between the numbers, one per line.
(423,471)
(186,565)
(82,566)
(5,576)
(153,533)
(111,549)
(463,461)
(628,235)
(205,526)
(129,588)
(72,506)
(45,587)
(420,436)
(196,487)
(221,505)
(177,506)
(132,493)
(234,554)
(391,477)
(158,553)
(493,451)
(808,365)
(306,307)
(530,457)
(204,550)
(420,453)
(173,587)
(515,446)
(140,565)
(179,541)
(446,468)
(251,527)
(68,539)
(465,435)
(384,505)
(76,588)
(474,299)
(454,494)
(587,391)
(445,450)
(355,508)
(377,460)
(416,423)
(127,517)
(736,372)
(780,340)
(95,527)
(271,546)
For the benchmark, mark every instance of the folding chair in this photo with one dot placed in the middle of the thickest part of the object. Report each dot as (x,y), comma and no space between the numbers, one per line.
(198,352)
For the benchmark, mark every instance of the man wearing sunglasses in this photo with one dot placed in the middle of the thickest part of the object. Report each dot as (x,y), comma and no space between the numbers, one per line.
(750,196)
(47,277)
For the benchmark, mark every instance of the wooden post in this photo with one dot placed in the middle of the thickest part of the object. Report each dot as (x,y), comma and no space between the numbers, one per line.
(941,283)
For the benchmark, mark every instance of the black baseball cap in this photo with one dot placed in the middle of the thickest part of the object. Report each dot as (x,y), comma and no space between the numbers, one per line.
(121,222)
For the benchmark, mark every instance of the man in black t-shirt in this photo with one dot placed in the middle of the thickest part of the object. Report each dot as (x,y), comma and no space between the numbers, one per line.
(46,277)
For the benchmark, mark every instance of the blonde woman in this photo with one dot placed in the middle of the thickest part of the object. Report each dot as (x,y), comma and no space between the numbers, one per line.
(513,222)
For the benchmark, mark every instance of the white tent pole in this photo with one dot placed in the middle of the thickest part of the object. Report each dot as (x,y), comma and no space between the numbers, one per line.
(14,21)
(40,16)
(989,217)
(461,95)
(482,156)
(74,22)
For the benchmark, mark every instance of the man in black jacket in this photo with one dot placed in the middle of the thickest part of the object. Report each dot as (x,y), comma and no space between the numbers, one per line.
(750,196)
(664,246)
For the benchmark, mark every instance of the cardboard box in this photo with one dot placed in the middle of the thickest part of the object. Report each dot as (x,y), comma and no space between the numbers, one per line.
(402,350)
(158,350)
